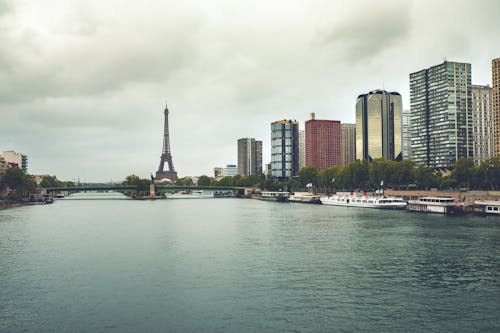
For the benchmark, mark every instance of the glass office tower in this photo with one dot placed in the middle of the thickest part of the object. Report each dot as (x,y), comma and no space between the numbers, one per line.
(284,149)
(378,125)
(441,114)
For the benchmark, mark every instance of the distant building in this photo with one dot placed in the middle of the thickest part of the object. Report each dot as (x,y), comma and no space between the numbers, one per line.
(378,125)
(218,173)
(302,149)
(15,159)
(249,157)
(267,169)
(323,143)
(441,114)
(482,123)
(495,76)
(3,165)
(230,170)
(348,144)
(405,134)
(284,149)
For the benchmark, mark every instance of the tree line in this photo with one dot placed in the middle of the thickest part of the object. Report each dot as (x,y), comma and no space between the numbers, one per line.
(22,184)
(368,176)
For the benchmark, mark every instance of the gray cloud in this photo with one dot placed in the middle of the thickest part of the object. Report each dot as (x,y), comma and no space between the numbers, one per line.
(83,84)
(368,30)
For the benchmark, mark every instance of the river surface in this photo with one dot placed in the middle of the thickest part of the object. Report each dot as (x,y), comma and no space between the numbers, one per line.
(240,265)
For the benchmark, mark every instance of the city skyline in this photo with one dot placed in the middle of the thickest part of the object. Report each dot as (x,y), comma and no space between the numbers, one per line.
(82,89)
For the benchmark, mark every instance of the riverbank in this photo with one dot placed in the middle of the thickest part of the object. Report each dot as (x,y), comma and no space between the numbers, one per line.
(8,203)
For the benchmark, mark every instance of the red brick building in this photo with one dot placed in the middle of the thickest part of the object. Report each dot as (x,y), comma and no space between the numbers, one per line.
(323,143)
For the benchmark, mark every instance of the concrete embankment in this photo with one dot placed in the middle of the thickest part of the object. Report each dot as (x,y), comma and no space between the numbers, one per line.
(4,204)
(461,196)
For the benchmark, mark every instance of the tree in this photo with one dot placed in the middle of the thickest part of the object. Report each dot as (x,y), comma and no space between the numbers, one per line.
(131,180)
(184,181)
(141,184)
(17,180)
(326,176)
(424,177)
(50,181)
(463,172)
(204,181)
(308,175)
(355,175)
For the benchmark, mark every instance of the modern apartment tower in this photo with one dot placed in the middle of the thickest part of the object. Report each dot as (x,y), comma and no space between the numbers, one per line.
(405,134)
(302,149)
(441,114)
(378,125)
(284,149)
(495,77)
(323,143)
(249,156)
(16,160)
(482,123)
(348,144)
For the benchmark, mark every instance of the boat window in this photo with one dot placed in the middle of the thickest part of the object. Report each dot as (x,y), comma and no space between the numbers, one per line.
(495,209)
(489,208)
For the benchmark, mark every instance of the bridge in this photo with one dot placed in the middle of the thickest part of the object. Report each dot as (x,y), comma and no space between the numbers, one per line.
(121,188)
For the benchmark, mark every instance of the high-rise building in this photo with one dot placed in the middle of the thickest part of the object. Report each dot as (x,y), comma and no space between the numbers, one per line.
(249,157)
(405,134)
(323,143)
(16,160)
(284,149)
(218,173)
(230,170)
(482,123)
(348,144)
(302,149)
(441,114)
(495,77)
(378,125)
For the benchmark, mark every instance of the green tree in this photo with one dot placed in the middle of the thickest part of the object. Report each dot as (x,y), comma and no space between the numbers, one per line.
(204,181)
(424,177)
(308,175)
(50,181)
(328,179)
(141,184)
(355,176)
(463,172)
(131,180)
(184,181)
(22,184)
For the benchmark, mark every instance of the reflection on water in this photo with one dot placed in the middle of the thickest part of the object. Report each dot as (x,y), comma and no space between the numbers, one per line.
(243,265)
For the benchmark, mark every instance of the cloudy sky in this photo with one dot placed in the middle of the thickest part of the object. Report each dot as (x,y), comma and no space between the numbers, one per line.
(83,84)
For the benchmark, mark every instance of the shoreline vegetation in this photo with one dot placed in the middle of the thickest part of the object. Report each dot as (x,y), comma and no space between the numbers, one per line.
(359,176)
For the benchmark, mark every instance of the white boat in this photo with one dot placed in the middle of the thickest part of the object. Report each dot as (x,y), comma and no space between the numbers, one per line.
(487,207)
(305,197)
(223,194)
(365,202)
(275,196)
(438,205)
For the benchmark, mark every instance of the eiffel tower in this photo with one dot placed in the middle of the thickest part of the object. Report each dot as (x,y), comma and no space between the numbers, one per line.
(166,156)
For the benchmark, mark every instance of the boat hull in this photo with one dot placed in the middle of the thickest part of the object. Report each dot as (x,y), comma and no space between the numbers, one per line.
(375,205)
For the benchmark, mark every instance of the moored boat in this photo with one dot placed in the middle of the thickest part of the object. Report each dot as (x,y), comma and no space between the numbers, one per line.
(305,197)
(275,196)
(223,194)
(491,207)
(365,202)
(437,205)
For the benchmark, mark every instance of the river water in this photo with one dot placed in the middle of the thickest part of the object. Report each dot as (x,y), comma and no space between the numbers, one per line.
(215,265)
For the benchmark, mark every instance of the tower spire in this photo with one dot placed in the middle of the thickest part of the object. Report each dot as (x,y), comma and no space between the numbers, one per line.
(166,155)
